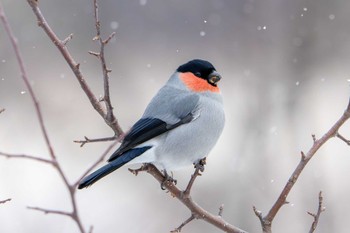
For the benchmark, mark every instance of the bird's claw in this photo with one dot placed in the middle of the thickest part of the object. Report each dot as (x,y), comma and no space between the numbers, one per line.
(200,164)
(167,178)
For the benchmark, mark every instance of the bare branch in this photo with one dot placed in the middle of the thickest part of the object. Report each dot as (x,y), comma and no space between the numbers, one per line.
(47,211)
(6,200)
(75,67)
(316,216)
(341,137)
(94,165)
(23,156)
(190,183)
(109,116)
(65,41)
(195,209)
(88,140)
(266,221)
(24,76)
(178,229)
(2,110)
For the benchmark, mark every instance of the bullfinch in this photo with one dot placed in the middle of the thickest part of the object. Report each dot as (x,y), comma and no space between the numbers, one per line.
(179,127)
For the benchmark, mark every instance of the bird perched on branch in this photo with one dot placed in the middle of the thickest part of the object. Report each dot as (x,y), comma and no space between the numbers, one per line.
(179,127)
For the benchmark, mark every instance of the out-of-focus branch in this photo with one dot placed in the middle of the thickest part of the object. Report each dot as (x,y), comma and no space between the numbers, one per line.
(47,211)
(1,110)
(88,140)
(316,216)
(341,137)
(53,161)
(105,70)
(197,212)
(107,115)
(23,156)
(4,201)
(266,221)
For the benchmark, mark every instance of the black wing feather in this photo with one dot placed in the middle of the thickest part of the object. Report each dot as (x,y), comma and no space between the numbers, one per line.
(144,130)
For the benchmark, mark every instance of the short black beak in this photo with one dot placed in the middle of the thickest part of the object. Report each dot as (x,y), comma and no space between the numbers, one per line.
(214,77)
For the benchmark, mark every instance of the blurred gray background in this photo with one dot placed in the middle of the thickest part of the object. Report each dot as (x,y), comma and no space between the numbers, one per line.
(285,68)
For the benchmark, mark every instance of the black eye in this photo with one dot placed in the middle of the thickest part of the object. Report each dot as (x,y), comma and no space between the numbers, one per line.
(198,74)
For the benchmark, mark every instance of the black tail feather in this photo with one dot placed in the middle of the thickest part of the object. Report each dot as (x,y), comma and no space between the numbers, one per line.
(112,166)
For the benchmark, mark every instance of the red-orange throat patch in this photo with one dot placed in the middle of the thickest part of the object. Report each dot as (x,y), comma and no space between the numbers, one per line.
(197,84)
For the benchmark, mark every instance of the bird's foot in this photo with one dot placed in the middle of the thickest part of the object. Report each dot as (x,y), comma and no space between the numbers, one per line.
(167,178)
(200,164)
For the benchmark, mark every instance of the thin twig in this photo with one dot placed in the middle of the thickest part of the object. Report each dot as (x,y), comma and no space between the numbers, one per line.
(316,216)
(75,67)
(88,140)
(94,165)
(47,211)
(23,156)
(178,229)
(6,200)
(107,100)
(190,183)
(267,220)
(341,137)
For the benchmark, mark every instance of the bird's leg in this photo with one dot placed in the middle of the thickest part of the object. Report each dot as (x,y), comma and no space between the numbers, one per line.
(167,178)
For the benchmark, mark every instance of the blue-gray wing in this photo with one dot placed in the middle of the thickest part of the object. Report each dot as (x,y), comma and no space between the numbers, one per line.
(144,130)
(167,110)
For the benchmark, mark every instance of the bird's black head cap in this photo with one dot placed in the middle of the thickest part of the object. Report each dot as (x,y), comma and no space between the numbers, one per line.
(198,67)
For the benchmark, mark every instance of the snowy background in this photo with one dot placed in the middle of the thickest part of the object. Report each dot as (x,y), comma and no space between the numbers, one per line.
(285,68)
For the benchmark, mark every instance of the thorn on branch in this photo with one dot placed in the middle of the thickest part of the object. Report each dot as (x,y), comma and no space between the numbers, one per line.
(77,66)
(302,155)
(65,41)
(341,137)
(221,210)
(6,200)
(313,137)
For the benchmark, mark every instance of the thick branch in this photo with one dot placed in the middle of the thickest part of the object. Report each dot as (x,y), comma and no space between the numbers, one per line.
(266,221)
(195,209)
